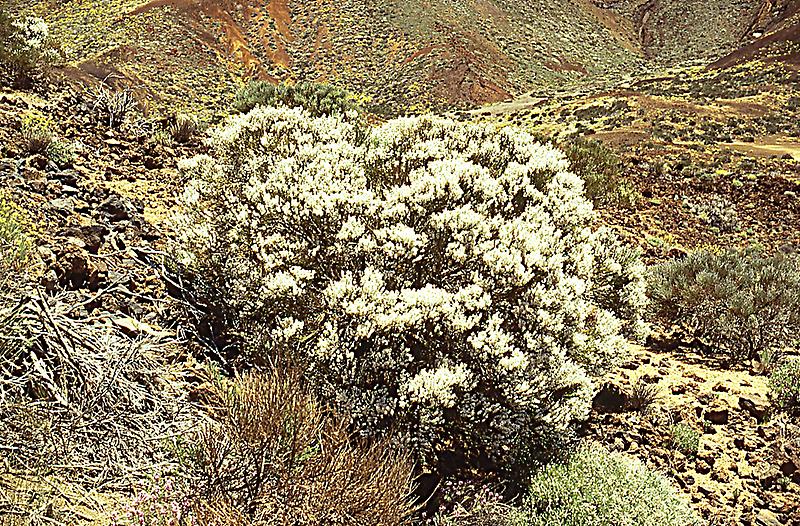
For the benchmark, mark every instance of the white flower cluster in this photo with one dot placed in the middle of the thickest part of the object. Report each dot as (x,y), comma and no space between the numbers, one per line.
(32,33)
(26,46)
(437,278)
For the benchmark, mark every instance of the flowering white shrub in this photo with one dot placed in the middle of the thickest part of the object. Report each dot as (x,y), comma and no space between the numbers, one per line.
(33,33)
(24,44)
(436,278)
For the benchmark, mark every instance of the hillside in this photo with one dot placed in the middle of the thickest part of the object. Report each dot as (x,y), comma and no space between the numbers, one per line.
(414,54)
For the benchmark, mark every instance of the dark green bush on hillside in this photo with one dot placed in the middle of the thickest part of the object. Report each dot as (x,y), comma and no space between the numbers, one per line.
(601,172)
(600,488)
(740,302)
(317,99)
(784,385)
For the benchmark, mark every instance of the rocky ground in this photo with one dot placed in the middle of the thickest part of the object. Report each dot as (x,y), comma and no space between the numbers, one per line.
(714,154)
(101,225)
(744,466)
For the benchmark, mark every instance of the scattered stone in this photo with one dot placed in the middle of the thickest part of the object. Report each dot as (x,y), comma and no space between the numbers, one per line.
(610,399)
(788,468)
(91,236)
(755,407)
(720,388)
(65,205)
(152,163)
(115,208)
(717,415)
(767,518)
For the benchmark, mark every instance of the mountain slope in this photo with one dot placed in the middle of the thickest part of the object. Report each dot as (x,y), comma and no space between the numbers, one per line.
(415,53)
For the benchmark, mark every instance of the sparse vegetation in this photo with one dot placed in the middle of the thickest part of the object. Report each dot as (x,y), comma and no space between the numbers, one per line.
(113,107)
(784,384)
(685,439)
(316,99)
(15,245)
(37,133)
(184,127)
(39,137)
(642,396)
(741,302)
(600,169)
(464,503)
(602,487)
(716,211)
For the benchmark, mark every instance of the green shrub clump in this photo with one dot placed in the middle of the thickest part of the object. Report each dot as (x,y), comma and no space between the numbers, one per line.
(784,385)
(317,99)
(685,439)
(184,127)
(601,488)
(38,136)
(15,245)
(438,278)
(37,133)
(740,301)
(25,46)
(601,172)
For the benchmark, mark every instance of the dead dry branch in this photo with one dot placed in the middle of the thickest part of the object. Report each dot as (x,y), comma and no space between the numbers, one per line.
(81,399)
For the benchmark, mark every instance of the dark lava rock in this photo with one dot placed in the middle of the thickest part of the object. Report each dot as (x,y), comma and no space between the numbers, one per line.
(610,399)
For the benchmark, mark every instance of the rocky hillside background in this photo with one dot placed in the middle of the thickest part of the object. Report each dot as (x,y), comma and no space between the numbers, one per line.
(415,54)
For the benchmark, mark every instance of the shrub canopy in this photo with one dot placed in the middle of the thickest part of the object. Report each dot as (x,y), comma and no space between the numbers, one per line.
(784,385)
(25,45)
(600,488)
(741,301)
(438,278)
(316,98)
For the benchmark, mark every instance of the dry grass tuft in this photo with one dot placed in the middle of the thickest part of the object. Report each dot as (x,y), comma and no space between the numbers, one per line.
(279,456)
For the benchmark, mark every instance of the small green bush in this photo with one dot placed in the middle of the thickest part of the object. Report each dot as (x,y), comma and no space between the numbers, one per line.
(184,127)
(25,46)
(15,246)
(37,133)
(784,385)
(601,488)
(316,99)
(739,301)
(601,172)
(61,152)
(685,439)
(38,136)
